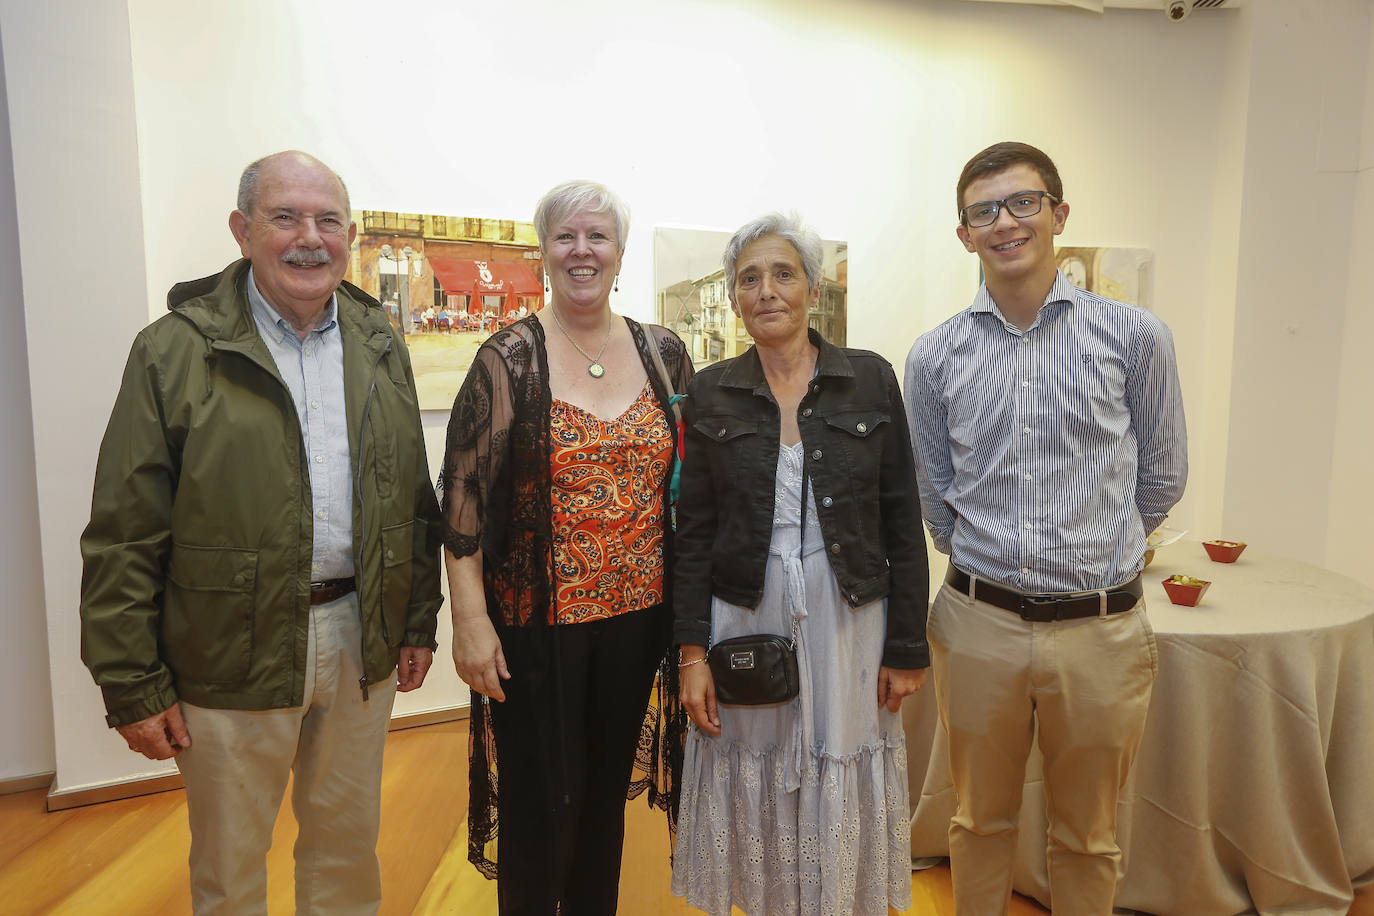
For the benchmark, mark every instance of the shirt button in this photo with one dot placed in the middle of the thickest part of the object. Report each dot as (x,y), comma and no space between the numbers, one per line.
(315,404)
(816,455)
(1025,383)
(1025,570)
(834,548)
(308,351)
(862,427)
(319,513)
(806,412)
(1028,476)
(319,459)
(827,502)
(1028,526)
(1025,429)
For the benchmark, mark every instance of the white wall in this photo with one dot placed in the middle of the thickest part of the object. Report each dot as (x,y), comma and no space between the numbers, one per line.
(69,83)
(1300,295)
(700,113)
(24,650)
(1352,496)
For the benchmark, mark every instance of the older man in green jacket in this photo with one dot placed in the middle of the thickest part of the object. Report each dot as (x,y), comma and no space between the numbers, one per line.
(263,548)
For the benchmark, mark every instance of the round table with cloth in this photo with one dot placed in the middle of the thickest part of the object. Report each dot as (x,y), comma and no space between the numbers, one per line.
(1254,786)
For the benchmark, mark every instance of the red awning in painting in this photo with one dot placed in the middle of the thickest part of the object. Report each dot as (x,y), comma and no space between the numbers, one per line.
(467,277)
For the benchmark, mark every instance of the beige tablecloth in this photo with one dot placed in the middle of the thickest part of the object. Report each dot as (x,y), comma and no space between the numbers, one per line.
(1254,786)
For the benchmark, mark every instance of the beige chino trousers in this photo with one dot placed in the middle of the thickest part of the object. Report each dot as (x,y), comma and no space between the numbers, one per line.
(1086,683)
(236,771)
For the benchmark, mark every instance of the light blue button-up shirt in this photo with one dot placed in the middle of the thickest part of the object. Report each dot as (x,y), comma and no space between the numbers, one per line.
(1045,457)
(313,369)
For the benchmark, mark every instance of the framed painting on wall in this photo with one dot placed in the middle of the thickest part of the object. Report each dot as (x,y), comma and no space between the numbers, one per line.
(447,283)
(1123,274)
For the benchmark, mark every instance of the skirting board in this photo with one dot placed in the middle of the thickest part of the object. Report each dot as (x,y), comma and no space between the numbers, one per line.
(25,783)
(60,801)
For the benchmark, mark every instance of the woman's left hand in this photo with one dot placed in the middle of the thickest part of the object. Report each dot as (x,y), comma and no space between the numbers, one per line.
(896,683)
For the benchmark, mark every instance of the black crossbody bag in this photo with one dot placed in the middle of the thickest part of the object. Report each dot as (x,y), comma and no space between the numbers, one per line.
(760,669)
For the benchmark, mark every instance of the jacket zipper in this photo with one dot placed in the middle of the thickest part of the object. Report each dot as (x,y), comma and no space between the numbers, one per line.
(362,515)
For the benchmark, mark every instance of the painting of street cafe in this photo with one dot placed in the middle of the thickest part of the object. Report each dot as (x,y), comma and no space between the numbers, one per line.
(447,283)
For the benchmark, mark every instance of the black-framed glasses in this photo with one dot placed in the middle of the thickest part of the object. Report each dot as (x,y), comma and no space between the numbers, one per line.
(1020,205)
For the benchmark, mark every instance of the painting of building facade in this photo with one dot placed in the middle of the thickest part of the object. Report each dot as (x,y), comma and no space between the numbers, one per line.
(692,299)
(1123,274)
(447,283)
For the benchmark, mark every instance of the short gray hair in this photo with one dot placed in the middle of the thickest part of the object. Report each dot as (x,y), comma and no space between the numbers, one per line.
(248,181)
(576,197)
(788,226)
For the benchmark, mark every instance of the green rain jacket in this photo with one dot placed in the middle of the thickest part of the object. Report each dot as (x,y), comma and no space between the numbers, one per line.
(196,576)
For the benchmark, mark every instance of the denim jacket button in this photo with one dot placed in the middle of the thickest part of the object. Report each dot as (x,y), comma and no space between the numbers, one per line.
(834,548)
(806,412)
(816,455)
(721,434)
(827,502)
(862,427)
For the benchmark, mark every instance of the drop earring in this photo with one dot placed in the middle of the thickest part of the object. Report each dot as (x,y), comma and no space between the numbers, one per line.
(546,283)
(616,286)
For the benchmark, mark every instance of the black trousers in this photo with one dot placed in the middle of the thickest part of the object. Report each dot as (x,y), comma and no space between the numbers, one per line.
(565,745)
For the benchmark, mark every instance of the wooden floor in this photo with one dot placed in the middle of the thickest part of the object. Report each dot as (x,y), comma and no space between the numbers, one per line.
(129,856)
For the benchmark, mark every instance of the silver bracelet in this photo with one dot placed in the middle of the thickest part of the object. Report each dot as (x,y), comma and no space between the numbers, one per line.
(695,661)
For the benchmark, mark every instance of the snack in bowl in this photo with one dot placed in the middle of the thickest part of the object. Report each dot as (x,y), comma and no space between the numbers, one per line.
(1185,590)
(1223,551)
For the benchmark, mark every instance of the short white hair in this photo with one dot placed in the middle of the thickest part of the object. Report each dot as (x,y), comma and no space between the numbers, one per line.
(576,197)
(788,226)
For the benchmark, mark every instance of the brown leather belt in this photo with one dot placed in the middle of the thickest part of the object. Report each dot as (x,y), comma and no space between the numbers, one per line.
(331,590)
(1048,608)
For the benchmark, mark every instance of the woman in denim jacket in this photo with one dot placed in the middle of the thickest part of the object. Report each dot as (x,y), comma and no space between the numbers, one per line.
(799,806)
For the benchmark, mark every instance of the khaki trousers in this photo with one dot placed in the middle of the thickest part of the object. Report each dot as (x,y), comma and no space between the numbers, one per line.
(236,772)
(1086,683)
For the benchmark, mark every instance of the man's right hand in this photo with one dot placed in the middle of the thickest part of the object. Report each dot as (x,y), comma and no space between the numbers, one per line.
(158,737)
(478,657)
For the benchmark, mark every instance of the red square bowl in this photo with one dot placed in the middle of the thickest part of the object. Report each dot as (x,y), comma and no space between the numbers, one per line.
(1186,595)
(1224,551)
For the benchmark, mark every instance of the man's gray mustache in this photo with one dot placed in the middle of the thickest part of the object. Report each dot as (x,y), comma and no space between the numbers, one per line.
(307,257)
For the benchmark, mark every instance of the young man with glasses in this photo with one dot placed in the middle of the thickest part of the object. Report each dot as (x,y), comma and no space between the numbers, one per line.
(1049,437)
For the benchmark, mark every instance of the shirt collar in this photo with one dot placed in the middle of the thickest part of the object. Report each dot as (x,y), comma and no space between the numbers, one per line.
(1061,290)
(747,371)
(268,317)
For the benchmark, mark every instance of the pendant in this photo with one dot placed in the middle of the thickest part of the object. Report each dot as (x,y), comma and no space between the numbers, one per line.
(596,370)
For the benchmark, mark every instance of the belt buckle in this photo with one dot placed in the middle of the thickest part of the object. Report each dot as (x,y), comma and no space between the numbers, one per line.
(1032,603)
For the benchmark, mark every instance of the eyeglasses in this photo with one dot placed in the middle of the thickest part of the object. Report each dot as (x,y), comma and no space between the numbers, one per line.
(1021,205)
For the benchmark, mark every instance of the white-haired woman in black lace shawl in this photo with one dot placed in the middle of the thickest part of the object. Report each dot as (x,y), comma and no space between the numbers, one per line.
(556,504)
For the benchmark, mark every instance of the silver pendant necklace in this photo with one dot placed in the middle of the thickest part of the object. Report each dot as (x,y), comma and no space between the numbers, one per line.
(594,368)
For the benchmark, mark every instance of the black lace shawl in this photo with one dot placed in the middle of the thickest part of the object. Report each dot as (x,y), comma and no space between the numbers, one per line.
(496,485)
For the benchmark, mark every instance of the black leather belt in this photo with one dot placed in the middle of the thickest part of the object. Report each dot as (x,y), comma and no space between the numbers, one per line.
(331,590)
(1047,608)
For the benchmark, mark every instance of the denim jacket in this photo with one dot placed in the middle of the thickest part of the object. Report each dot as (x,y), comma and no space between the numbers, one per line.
(858,457)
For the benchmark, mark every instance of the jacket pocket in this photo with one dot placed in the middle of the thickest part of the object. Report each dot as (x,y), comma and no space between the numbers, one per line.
(398,548)
(207,614)
(858,423)
(725,427)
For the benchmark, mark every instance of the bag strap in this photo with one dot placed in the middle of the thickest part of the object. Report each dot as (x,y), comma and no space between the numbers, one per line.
(673,396)
(801,545)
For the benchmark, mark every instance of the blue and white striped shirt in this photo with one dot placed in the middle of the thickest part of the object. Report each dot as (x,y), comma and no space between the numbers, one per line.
(313,371)
(1045,457)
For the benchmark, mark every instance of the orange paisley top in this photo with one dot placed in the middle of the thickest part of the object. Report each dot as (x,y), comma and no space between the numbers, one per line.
(608,508)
